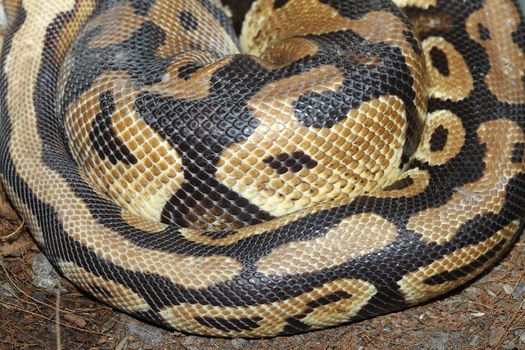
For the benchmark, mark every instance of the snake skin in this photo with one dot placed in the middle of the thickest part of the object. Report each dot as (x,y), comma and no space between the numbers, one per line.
(341,159)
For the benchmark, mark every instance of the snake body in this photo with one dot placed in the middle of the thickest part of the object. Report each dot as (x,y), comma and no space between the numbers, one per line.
(356,158)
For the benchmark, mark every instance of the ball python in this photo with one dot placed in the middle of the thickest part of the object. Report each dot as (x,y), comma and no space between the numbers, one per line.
(340,160)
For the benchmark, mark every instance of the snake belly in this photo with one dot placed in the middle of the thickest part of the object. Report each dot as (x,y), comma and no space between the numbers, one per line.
(356,158)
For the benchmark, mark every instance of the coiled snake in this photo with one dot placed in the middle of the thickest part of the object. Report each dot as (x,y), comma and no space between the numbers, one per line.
(357,158)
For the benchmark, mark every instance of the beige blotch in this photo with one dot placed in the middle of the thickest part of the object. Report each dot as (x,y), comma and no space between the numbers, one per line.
(274,315)
(356,235)
(21,70)
(287,51)
(507,60)
(459,83)
(210,37)
(482,197)
(120,23)
(455,138)
(422,4)
(123,298)
(143,225)
(416,291)
(358,154)
(420,179)
(114,26)
(198,86)
(144,187)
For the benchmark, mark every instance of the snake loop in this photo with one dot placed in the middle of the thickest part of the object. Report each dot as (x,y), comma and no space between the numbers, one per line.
(341,159)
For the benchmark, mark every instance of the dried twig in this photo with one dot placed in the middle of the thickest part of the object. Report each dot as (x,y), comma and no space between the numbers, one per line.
(6,211)
(18,229)
(57,318)
(49,319)
(122,344)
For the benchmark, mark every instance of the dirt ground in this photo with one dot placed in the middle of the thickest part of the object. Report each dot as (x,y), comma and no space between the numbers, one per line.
(487,314)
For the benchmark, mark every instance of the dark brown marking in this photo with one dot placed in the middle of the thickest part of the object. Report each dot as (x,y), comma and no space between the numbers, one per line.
(400,184)
(188,205)
(465,270)
(187,70)
(227,325)
(292,162)
(440,61)
(296,324)
(329,299)
(100,291)
(438,140)
(102,135)
(142,8)
(484,32)
(409,36)
(279,3)
(518,153)
(188,21)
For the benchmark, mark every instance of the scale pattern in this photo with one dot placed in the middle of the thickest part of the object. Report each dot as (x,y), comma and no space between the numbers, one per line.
(341,159)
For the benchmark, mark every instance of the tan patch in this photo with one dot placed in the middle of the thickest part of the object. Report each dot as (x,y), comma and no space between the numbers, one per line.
(114,26)
(416,291)
(71,27)
(482,197)
(274,315)
(355,236)
(455,86)
(209,36)
(507,61)
(264,27)
(141,224)
(422,4)
(357,154)
(241,166)
(426,24)
(144,187)
(341,311)
(420,180)
(287,51)
(122,297)
(120,23)
(455,138)
(198,85)
(10,7)
(25,147)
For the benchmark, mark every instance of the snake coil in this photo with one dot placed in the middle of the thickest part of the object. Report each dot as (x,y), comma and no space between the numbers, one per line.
(342,159)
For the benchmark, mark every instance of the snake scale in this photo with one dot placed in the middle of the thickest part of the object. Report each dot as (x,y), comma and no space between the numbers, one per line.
(341,159)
